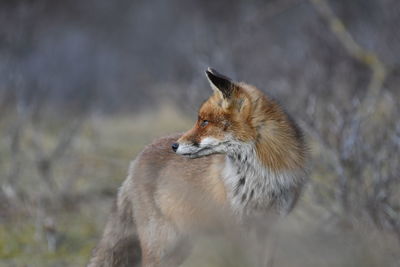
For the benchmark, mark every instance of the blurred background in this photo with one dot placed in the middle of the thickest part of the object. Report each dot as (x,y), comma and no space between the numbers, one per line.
(85,85)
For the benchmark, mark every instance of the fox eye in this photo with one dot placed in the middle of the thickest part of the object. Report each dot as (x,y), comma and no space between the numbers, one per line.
(204,123)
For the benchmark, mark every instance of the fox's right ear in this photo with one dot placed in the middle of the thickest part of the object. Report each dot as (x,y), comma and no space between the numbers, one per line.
(220,83)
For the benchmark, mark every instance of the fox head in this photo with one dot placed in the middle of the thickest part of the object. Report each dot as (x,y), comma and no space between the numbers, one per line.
(239,115)
(223,120)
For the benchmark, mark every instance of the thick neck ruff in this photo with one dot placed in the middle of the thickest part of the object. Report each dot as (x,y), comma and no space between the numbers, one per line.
(253,187)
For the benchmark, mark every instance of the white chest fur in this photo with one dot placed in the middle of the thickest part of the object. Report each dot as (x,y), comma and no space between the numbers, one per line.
(253,187)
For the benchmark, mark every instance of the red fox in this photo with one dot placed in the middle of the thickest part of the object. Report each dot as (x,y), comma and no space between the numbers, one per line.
(244,157)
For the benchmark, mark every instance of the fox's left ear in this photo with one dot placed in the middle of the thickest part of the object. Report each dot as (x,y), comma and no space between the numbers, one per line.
(220,83)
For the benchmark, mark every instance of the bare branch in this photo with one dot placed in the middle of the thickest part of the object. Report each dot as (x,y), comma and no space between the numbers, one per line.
(355,50)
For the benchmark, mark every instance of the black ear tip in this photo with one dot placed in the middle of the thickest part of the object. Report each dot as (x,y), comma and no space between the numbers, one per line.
(221,82)
(210,72)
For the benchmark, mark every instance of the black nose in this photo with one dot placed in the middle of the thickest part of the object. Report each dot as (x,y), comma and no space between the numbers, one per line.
(175,146)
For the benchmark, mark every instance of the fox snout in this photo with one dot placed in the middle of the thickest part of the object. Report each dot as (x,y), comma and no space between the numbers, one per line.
(195,149)
(185,147)
(175,146)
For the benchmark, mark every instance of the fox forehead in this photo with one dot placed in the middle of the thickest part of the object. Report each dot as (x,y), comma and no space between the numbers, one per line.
(233,118)
(211,113)
(212,110)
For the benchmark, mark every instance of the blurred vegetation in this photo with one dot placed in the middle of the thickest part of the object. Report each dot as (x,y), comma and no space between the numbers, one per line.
(85,85)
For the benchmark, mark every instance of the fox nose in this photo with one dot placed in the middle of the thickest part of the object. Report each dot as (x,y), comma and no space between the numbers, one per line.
(175,146)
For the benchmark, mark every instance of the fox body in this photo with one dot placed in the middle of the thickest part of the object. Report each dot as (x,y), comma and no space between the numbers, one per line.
(244,157)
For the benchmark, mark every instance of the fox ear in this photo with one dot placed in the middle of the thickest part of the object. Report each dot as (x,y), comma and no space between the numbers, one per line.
(220,83)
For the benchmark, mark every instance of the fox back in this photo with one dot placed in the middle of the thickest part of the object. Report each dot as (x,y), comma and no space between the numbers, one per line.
(244,157)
